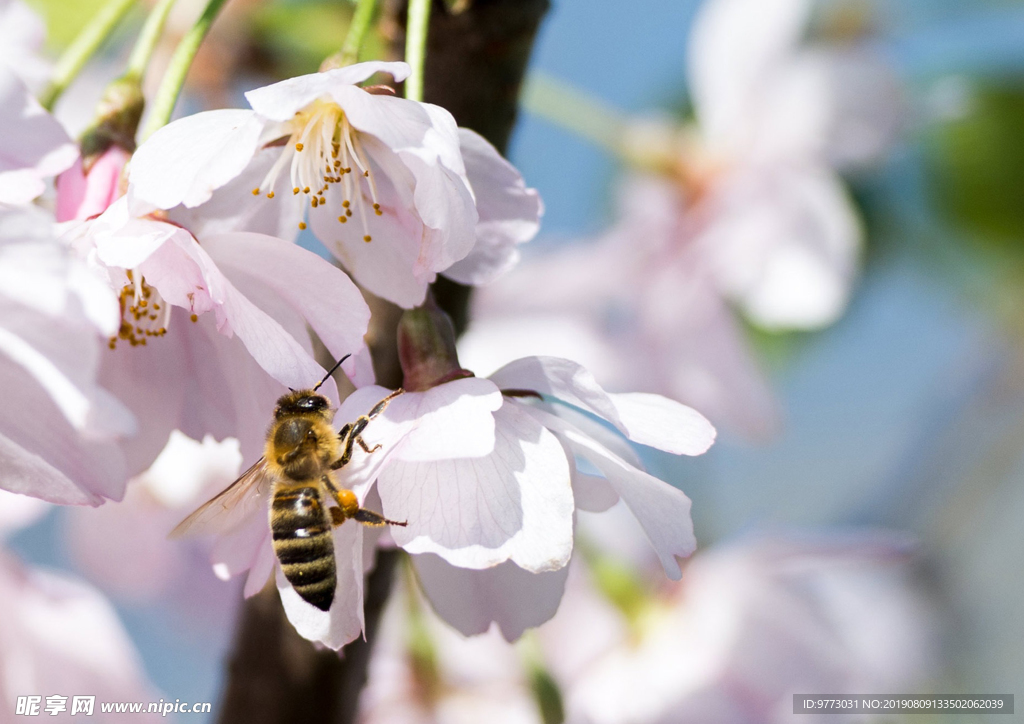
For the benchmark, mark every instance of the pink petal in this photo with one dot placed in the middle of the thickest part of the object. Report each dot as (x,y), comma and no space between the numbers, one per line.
(80,196)
(29,474)
(471,600)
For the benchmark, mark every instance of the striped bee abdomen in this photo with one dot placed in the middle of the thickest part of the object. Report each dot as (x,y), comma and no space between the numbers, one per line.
(303,542)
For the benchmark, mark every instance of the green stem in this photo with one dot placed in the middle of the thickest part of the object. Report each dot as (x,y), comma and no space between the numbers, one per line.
(416,47)
(170,87)
(361,21)
(83,47)
(148,38)
(574,110)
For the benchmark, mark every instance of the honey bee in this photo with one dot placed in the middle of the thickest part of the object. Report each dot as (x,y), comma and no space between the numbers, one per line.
(296,469)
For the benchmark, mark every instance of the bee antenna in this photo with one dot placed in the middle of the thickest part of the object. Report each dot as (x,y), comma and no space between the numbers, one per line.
(336,366)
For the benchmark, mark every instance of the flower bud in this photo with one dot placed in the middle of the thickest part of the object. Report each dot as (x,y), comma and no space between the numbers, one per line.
(426,348)
(117,120)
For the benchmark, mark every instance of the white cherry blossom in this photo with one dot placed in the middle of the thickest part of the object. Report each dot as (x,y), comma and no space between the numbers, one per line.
(498,515)
(384,178)
(211,333)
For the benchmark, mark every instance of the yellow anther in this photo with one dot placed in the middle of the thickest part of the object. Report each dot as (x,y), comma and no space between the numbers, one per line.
(302,224)
(194,317)
(255,192)
(298,146)
(270,194)
(296,190)
(367,239)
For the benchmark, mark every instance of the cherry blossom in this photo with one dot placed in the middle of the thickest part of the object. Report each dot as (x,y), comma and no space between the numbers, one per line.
(492,487)
(384,177)
(60,428)
(751,624)
(211,333)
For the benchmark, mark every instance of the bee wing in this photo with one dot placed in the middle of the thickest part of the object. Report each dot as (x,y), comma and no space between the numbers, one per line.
(236,502)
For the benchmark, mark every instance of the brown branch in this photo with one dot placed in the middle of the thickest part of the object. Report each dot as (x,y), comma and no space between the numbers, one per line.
(476,60)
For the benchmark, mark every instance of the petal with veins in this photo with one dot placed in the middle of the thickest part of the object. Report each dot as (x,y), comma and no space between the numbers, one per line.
(513,504)
(662,510)
(187,160)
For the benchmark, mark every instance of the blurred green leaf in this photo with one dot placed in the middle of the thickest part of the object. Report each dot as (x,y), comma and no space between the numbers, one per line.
(64,18)
(296,37)
(976,165)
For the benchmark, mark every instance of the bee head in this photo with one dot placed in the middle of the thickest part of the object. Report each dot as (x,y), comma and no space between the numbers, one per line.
(299,402)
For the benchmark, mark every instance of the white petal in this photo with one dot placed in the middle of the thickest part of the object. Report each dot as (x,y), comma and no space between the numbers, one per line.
(34,145)
(233,207)
(506,594)
(324,295)
(663,423)
(344,621)
(281,101)
(644,418)
(734,44)
(455,419)
(514,504)
(591,493)
(662,510)
(509,212)
(188,159)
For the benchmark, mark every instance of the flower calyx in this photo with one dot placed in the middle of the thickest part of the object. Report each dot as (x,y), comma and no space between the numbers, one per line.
(426,348)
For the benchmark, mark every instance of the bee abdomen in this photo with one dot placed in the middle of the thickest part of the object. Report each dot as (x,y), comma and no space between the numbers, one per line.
(303,544)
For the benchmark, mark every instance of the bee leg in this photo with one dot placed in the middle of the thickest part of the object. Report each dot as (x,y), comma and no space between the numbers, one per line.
(375,520)
(346,499)
(350,433)
(362,443)
(337,516)
(380,406)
